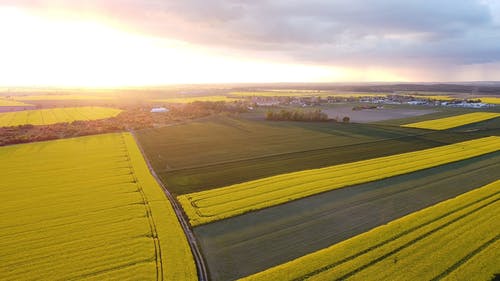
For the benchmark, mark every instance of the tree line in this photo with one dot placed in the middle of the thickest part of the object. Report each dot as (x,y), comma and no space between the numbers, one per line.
(297,115)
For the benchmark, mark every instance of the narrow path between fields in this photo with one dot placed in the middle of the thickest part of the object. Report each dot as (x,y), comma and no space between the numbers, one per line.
(198,258)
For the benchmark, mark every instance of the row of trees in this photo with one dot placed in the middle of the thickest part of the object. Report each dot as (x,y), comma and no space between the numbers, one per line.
(297,115)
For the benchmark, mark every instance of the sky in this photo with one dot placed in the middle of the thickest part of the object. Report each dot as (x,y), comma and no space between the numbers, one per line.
(113,43)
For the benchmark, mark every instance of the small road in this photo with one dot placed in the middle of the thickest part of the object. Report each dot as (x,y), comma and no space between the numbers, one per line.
(198,258)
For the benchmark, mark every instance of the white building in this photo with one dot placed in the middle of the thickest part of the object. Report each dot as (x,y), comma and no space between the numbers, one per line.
(159,109)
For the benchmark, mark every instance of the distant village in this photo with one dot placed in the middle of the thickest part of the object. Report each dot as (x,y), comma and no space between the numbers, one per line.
(305,101)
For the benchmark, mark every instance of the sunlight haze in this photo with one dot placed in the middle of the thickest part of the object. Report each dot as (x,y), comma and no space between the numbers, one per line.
(106,44)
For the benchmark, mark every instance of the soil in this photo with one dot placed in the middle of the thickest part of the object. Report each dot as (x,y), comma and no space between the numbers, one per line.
(374,115)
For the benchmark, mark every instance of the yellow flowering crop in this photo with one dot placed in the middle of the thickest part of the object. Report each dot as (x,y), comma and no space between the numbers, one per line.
(87,208)
(437,97)
(193,99)
(454,121)
(220,203)
(492,100)
(457,239)
(295,93)
(56,115)
(7,102)
(63,97)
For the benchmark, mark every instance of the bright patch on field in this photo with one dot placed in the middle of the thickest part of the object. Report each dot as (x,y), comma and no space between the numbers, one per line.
(457,239)
(56,115)
(193,99)
(87,208)
(454,121)
(216,204)
(5,102)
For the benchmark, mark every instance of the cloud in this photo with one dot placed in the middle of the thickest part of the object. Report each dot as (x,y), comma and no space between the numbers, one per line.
(340,32)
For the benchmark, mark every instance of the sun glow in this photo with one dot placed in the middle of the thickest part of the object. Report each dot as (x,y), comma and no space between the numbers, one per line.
(41,51)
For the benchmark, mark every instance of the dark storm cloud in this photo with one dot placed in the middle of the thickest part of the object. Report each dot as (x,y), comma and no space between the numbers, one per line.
(341,32)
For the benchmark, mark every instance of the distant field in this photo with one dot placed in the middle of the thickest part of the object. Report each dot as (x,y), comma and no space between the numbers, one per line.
(209,141)
(492,100)
(454,121)
(218,152)
(253,242)
(455,240)
(443,96)
(6,102)
(216,204)
(56,115)
(304,93)
(442,112)
(193,99)
(437,97)
(88,209)
(374,115)
(452,96)
(61,97)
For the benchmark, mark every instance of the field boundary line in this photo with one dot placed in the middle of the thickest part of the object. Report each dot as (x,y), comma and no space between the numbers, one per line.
(404,233)
(299,151)
(149,213)
(195,250)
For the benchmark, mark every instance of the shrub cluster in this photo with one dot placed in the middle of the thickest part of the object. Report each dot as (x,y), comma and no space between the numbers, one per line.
(297,115)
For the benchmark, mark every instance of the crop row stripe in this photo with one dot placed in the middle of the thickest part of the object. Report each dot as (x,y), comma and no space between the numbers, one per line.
(206,206)
(149,214)
(400,235)
(342,179)
(413,241)
(466,208)
(453,121)
(338,169)
(422,155)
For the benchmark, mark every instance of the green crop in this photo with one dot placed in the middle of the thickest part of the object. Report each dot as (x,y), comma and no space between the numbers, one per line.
(457,239)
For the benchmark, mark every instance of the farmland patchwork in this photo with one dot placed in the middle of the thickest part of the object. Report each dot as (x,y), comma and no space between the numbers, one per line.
(457,239)
(216,204)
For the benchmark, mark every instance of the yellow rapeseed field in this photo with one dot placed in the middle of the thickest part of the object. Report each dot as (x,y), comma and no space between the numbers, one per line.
(193,99)
(453,121)
(444,97)
(492,100)
(437,97)
(8,102)
(457,239)
(63,97)
(87,209)
(292,93)
(220,203)
(56,115)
